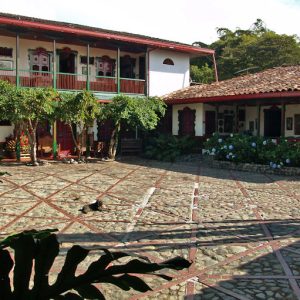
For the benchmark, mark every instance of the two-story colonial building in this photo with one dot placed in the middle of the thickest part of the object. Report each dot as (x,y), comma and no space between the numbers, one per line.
(70,57)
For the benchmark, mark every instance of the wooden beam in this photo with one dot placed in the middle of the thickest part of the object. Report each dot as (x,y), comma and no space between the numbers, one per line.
(217,123)
(17,59)
(258,119)
(215,68)
(283,109)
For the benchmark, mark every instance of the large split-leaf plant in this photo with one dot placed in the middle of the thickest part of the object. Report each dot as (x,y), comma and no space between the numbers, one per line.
(35,251)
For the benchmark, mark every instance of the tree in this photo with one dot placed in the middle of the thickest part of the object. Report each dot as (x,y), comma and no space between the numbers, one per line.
(28,107)
(143,113)
(203,74)
(251,50)
(81,110)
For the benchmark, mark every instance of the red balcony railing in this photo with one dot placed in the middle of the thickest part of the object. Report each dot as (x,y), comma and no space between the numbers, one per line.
(66,81)
(132,86)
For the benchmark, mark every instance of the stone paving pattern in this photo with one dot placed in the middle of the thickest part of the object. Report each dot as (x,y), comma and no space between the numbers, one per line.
(240,229)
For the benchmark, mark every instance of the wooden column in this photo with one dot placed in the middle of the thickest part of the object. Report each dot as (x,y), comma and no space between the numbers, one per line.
(283,109)
(236,118)
(217,123)
(147,73)
(118,71)
(17,59)
(87,67)
(54,147)
(54,64)
(258,119)
(215,68)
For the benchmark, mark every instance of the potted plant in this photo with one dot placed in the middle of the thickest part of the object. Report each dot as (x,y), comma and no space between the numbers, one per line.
(10,148)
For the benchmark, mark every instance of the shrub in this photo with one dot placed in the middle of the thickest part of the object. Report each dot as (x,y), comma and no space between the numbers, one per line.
(168,147)
(37,250)
(251,149)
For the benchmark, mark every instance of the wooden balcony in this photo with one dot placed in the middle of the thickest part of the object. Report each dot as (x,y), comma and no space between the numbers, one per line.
(73,82)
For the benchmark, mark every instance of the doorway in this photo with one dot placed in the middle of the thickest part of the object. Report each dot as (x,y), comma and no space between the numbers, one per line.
(272,122)
(66,66)
(64,137)
(210,122)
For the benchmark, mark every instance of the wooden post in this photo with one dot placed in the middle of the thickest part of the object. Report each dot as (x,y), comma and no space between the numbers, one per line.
(54,147)
(283,108)
(215,68)
(147,73)
(54,64)
(258,120)
(17,59)
(236,118)
(118,71)
(87,68)
(217,123)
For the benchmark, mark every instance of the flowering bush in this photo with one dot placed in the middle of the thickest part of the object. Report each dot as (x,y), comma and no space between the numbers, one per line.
(24,143)
(250,149)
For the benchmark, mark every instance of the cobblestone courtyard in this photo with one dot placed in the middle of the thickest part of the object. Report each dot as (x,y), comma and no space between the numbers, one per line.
(241,230)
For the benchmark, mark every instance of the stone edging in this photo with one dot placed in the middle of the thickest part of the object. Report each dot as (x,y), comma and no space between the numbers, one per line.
(246,167)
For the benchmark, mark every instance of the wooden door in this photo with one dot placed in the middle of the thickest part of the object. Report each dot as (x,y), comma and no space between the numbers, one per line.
(64,137)
(272,122)
(187,118)
(210,122)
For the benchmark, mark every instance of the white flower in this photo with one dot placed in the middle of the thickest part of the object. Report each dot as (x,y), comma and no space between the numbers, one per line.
(253,145)
(227,156)
(208,140)
(230,147)
(271,163)
(278,166)
(288,161)
(264,142)
(274,166)
(230,154)
(231,135)
(213,150)
(220,140)
(225,146)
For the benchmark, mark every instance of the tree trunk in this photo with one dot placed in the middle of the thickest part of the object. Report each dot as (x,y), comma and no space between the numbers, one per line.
(77,146)
(113,145)
(32,141)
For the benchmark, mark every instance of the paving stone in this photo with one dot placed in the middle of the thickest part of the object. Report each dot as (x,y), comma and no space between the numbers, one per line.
(227,228)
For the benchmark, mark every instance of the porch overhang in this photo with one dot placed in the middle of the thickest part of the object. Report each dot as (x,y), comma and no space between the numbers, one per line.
(236,98)
(73,29)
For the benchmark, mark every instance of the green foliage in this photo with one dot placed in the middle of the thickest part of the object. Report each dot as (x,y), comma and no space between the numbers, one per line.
(252,50)
(140,112)
(80,109)
(37,250)
(250,149)
(135,111)
(168,147)
(204,74)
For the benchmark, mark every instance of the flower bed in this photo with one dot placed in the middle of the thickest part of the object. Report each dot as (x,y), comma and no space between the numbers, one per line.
(237,148)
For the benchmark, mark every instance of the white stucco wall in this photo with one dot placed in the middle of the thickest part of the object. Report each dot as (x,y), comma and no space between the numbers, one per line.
(5,131)
(164,79)
(199,117)
(26,45)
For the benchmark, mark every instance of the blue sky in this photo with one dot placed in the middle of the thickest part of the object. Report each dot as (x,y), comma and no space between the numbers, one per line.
(180,20)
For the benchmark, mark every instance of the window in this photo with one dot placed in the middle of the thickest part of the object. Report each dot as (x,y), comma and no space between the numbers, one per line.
(105,66)
(168,61)
(39,60)
(83,60)
(8,52)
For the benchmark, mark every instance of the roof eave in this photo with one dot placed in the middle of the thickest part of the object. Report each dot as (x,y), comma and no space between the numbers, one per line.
(105,35)
(287,94)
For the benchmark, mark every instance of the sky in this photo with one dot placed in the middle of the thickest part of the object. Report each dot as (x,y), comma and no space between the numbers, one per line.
(185,21)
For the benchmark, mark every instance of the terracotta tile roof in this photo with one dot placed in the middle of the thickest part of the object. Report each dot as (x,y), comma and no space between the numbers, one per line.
(279,79)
